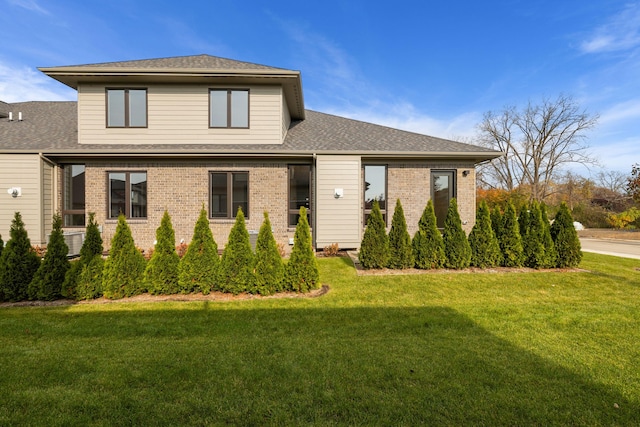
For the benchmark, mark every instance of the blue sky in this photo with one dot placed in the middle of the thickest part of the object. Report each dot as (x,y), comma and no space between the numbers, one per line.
(425,66)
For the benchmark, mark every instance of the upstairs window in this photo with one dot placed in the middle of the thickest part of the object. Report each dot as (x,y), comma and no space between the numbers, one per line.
(229,191)
(128,194)
(228,108)
(442,191)
(73,198)
(375,188)
(126,108)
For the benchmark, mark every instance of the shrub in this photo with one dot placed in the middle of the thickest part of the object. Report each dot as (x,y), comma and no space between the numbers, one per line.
(374,248)
(301,272)
(510,240)
(89,280)
(91,247)
(124,269)
(566,239)
(428,246)
(235,273)
(198,268)
(485,250)
(624,219)
(47,282)
(547,241)
(161,273)
(1,245)
(18,263)
(400,250)
(496,221)
(533,239)
(331,250)
(269,266)
(456,245)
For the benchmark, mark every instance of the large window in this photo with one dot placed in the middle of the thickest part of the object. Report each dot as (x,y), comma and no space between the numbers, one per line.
(375,188)
(229,191)
(128,194)
(228,108)
(299,192)
(127,108)
(442,191)
(73,199)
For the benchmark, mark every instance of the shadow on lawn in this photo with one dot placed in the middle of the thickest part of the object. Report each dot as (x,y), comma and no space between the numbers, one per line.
(389,366)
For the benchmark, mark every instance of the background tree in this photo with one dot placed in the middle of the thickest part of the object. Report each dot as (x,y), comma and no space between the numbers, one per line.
(485,250)
(269,265)
(235,273)
(428,246)
(537,141)
(456,245)
(301,272)
(565,238)
(124,268)
(633,183)
(161,272)
(400,250)
(198,267)
(18,263)
(374,248)
(47,282)
(91,248)
(510,240)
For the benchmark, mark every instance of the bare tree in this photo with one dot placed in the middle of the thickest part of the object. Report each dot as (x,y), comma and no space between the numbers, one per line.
(537,142)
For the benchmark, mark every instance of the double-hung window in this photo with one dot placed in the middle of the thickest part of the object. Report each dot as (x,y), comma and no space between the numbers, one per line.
(127,108)
(442,191)
(299,192)
(73,198)
(228,192)
(375,189)
(128,194)
(229,108)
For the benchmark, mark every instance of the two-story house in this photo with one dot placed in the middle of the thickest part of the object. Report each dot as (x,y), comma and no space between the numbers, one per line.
(186,132)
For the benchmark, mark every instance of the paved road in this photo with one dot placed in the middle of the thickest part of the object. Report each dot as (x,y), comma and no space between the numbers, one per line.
(621,248)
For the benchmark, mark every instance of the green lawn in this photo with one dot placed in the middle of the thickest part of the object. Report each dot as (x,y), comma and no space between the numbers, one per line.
(436,349)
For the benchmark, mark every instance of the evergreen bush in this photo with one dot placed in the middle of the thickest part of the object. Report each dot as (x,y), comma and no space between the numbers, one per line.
(89,279)
(547,241)
(91,247)
(161,272)
(18,263)
(496,221)
(510,240)
(456,245)
(1,245)
(533,239)
(566,239)
(428,246)
(301,272)
(235,273)
(124,268)
(47,281)
(269,264)
(400,250)
(485,250)
(374,248)
(198,267)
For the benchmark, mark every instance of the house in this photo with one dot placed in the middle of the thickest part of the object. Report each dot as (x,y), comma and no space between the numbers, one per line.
(186,132)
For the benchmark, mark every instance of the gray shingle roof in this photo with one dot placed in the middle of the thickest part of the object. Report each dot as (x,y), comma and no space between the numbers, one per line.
(44,125)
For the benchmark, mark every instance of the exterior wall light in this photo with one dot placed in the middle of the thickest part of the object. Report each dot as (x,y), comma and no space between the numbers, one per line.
(15,192)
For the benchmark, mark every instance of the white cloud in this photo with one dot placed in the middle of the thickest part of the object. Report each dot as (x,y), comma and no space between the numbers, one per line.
(20,83)
(623,111)
(621,32)
(31,5)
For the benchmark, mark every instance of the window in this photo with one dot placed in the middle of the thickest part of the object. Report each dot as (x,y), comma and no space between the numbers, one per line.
(299,192)
(442,191)
(228,108)
(229,191)
(128,194)
(375,188)
(73,196)
(126,108)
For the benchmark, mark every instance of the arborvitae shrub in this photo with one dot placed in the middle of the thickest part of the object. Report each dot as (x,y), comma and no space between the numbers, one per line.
(123,270)
(496,221)
(198,267)
(89,280)
(47,282)
(235,273)
(91,247)
(547,241)
(533,240)
(301,272)
(269,265)
(565,238)
(1,245)
(485,250)
(456,245)
(510,239)
(400,250)
(523,221)
(18,262)
(161,273)
(374,248)
(428,247)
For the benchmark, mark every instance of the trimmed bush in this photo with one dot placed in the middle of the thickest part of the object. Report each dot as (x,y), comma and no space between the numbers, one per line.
(161,273)
(269,265)
(235,273)
(124,269)
(374,248)
(91,247)
(301,272)
(400,250)
(547,241)
(198,267)
(485,250)
(18,263)
(89,280)
(47,282)
(1,245)
(428,246)
(566,239)
(510,240)
(496,221)
(456,245)
(533,239)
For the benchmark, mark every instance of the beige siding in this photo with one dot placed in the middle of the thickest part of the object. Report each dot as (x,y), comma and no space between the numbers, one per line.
(286,118)
(47,196)
(339,220)
(24,171)
(179,114)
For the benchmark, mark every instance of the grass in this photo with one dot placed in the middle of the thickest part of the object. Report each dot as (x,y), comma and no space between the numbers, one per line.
(437,349)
